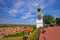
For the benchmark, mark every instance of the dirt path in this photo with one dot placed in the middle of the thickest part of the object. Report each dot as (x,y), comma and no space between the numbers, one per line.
(52,33)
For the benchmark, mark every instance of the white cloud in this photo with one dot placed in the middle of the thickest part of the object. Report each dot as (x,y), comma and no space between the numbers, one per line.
(6,9)
(31,21)
(10,21)
(26,16)
(16,21)
(46,3)
(18,4)
(2,2)
(36,4)
(13,12)
(56,13)
(30,4)
(16,8)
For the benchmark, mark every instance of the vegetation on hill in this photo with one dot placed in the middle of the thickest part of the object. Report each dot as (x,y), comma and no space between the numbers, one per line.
(16,25)
(14,35)
(58,21)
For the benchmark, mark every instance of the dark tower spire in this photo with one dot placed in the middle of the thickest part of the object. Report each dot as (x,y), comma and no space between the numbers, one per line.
(39,9)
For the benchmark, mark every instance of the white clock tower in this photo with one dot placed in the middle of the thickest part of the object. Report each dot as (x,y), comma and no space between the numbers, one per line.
(39,19)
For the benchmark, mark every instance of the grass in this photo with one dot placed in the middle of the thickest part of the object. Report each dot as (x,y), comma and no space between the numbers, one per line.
(12,38)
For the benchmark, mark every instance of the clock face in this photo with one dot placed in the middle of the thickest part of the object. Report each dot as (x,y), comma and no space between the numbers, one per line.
(39,17)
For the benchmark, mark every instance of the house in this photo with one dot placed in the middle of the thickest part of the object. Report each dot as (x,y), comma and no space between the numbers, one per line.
(28,30)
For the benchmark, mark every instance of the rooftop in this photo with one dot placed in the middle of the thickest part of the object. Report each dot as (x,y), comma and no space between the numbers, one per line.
(52,33)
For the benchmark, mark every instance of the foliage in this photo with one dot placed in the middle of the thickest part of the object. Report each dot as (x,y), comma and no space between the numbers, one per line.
(16,25)
(14,35)
(48,19)
(58,21)
(25,37)
(33,36)
(12,38)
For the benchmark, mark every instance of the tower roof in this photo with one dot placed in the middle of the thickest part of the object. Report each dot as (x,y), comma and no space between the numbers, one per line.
(38,9)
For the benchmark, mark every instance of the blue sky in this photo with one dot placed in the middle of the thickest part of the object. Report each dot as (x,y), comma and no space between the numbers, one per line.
(24,11)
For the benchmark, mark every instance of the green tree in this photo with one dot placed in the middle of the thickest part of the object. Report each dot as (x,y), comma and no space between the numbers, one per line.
(58,21)
(48,20)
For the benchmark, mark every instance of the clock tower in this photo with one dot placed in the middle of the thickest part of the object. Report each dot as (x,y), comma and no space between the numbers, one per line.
(39,19)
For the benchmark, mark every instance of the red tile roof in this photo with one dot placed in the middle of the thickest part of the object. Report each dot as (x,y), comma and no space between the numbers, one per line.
(52,33)
(28,29)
